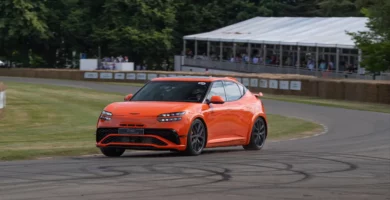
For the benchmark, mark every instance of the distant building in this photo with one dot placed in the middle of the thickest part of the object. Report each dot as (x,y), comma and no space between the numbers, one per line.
(301,45)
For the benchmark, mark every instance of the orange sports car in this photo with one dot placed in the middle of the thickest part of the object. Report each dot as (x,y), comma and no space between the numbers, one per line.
(184,114)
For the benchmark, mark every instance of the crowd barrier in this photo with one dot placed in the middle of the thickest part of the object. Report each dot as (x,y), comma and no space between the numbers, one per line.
(2,99)
(282,84)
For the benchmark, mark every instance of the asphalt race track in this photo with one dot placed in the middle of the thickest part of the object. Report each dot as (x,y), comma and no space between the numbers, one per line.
(350,161)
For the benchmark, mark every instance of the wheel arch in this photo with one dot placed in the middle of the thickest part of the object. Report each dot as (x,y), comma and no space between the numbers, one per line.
(260,115)
(205,126)
(265,123)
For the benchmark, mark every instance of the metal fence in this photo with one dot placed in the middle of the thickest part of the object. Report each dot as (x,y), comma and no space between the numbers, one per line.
(260,68)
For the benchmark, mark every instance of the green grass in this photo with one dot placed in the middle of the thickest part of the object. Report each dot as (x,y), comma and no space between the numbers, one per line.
(43,120)
(384,108)
(282,127)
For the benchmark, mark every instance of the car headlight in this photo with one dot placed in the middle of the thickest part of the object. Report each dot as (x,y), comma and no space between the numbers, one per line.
(106,115)
(170,117)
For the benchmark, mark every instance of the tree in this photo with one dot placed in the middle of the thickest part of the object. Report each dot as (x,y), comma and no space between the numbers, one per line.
(337,8)
(44,33)
(22,23)
(80,23)
(141,29)
(375,43)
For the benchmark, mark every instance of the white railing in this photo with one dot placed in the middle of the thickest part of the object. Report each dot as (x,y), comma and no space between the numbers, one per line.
(242,67)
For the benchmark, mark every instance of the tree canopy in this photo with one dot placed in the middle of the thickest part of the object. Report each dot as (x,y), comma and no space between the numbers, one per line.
(375,44)
(45,33)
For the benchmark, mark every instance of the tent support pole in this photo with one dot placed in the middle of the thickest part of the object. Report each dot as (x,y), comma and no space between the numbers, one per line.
(291,55)
(337,60)
(323,53)
(220,51)
(249,52)
(274,50)
(265,54)
(196,48)
(359,61)
(184,47)
(208,49)
(234,50)
(298,59)
(317,60)
(280,56)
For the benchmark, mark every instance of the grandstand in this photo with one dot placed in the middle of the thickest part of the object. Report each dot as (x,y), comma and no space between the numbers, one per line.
(299,45)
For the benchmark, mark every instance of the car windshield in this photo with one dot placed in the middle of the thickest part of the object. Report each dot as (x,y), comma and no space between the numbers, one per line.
(175,91)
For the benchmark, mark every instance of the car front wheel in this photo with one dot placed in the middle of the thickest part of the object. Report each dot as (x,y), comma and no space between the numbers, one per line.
(112,152)
(196,138)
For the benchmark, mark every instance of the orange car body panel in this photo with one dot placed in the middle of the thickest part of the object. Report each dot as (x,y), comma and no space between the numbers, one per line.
(228,124)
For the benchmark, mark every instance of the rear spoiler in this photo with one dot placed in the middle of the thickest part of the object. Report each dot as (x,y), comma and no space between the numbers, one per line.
(260,94)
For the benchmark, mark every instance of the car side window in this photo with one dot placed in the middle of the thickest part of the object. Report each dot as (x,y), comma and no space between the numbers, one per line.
(217,90)
(242,89)
(233,92)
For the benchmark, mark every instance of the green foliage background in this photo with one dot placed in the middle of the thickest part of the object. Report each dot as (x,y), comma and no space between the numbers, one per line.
(45,33)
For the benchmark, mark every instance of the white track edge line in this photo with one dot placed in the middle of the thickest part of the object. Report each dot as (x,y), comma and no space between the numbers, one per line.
(325,131)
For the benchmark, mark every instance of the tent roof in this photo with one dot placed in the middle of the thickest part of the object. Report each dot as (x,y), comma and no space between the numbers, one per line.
(301,31)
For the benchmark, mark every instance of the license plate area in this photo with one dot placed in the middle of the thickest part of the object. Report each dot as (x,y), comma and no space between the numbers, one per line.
(134,131)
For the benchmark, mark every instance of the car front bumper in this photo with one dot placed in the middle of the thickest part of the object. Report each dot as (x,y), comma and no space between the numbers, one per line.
(156,135)
(152,139)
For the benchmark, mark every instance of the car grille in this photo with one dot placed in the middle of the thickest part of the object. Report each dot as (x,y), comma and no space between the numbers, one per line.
(134,139)
(167,134)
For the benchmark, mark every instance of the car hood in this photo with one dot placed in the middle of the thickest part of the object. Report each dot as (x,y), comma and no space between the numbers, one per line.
(148,109)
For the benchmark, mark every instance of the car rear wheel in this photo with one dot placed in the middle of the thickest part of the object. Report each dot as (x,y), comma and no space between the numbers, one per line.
(112,152)
(196,138)
(258,135)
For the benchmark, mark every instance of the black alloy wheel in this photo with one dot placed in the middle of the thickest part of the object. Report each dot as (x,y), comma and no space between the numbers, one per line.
(196,138)
(258,135)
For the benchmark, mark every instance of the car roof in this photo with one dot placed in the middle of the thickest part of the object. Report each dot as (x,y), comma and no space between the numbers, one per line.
(194,78)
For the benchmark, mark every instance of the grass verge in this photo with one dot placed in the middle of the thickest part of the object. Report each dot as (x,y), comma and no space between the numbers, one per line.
(384,108)
(43,120)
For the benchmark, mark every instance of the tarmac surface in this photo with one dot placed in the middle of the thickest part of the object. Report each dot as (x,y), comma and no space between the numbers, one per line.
(350,161)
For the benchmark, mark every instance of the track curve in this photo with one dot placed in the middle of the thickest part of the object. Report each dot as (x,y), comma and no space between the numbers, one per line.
(351,161)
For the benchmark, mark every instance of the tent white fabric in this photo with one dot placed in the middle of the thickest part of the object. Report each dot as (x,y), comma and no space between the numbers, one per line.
(301,31)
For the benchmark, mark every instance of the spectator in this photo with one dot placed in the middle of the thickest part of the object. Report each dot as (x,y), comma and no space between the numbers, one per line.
(323,65)
(330,65)
(310,64)
(245,58)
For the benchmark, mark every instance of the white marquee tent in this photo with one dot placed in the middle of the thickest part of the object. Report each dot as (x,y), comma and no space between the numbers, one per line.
(300,31)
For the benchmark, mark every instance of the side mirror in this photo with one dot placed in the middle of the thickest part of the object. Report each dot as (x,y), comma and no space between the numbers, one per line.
(128,97)
(260,94)
(216,100)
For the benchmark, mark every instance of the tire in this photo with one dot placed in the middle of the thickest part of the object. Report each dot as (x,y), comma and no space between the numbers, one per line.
(112,152)
(258,135)
(196,138)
